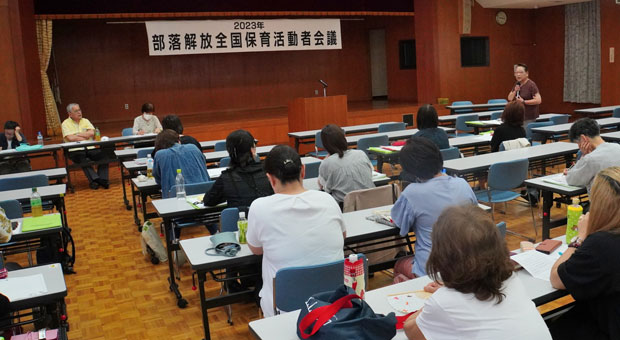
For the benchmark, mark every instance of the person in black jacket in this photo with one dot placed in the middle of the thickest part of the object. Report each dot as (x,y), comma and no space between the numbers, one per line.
(512,127)
(11,139)
(244,180)
(173,122)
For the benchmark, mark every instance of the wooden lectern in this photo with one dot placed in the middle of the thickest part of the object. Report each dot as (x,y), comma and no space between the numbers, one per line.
(316,112)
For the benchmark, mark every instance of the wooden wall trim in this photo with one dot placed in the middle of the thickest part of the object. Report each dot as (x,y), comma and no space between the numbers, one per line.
(219,14)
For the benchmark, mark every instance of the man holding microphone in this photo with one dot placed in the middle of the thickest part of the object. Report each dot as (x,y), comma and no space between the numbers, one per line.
(525,91)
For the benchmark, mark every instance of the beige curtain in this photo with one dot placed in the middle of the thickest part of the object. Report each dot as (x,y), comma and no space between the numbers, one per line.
(44,39)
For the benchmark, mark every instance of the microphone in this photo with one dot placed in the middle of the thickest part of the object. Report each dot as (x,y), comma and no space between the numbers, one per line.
(322,82)
(519,90)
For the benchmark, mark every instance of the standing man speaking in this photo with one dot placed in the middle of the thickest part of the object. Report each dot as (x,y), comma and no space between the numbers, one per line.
(525,91)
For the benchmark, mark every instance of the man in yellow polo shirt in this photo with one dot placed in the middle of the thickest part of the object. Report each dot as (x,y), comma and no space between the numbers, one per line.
(77,129)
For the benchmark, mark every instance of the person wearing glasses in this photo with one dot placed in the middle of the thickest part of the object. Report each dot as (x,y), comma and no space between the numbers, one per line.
(430,191)
(525,91)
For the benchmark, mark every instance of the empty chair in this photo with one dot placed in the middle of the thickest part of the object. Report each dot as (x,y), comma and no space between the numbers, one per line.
(501,226)
(461,126)
(496,115)
(143,153)
(127,132)
(220,146)
(450,153)
(533,136)
(12,209)
(30,181)
(376,141)
(192,188)
(224,162)
(312,169)
(228,219)
(497,101)
(459,103)
(616,113)
(294,285)
(557,120)
(319,149)
(503,177)
(387,127)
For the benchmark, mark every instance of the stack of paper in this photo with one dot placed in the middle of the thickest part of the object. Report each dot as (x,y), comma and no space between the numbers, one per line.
(536,263)
(196,201)
(558,179)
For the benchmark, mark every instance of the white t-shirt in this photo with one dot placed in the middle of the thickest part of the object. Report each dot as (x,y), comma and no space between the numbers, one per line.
(449,314)
(294,230)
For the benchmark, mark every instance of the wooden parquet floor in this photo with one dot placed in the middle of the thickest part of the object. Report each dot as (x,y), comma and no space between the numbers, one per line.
(118,294)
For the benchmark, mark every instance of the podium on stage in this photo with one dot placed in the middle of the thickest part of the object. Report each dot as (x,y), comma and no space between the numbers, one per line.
(316,112)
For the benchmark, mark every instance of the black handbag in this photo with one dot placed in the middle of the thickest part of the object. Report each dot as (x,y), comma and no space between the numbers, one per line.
(341,314)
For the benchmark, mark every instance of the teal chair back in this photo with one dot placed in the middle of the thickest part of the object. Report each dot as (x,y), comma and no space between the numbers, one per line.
(497,101)
(387,127)
(460,124)
(501,226)
(127,132)
(616,113)
(319,149)
(459,103)
(508,175)
(450,153)
(294,285)
(220,146)
(12,209)
(228,219)
(557,120)
(496,115)
(532,136)
(143,153)
(24,182)
(312,170)
(192,188)
(224,162)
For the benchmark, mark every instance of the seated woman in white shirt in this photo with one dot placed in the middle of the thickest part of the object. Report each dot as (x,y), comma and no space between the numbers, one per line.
(147,122)
(293,227)
(479,297)
(343,170)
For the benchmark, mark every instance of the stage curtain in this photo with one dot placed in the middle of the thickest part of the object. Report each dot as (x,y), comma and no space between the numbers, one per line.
(582,53)
(44,40)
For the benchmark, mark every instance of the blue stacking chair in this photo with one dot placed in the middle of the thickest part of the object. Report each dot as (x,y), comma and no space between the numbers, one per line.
(220,146)
(557,120)
(450,153)
(319,149)
(367,142)
(496,115)
(497,101)
(462,129)
(127,132)
(387,127)
(503,177)
(535,138)
(459,103)
(616,113)
(501,226)
(294,285)
(312,170)
(26,182)
(224,162)
(229,219)
(12,209)
(143,153)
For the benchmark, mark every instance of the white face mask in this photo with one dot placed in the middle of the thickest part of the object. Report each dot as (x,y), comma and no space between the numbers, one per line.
(147,116)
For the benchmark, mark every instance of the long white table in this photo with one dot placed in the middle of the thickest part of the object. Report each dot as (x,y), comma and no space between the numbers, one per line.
(216,156)
(284,326)
(474,107)
(50,149)
(487,115)
(392,135)
(611,136)
(597,110)
(468,165)
(564,128)
(309,135)
(57,174)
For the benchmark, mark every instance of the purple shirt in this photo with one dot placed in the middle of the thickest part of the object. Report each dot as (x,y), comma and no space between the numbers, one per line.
(528,91)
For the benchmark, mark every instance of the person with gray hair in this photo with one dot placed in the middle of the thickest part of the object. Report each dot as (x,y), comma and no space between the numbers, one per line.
(596,154)
(76,129)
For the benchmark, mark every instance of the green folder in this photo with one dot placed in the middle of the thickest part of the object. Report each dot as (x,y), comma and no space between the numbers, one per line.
(41,222)
(380,150)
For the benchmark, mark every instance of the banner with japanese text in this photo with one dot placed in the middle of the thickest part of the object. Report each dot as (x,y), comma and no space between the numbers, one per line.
(226,36)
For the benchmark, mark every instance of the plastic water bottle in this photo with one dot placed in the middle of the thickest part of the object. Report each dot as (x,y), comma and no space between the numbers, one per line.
(39,138)
(149,166)
(574,211)
(180,183)
(35,203)
(97,134)
(242,225)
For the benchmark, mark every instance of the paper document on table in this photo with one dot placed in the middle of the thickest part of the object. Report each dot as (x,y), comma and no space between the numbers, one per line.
(378,175)
(559,179)
(536,263)
(392,147)
(196,201)
(408,302)
(23,287)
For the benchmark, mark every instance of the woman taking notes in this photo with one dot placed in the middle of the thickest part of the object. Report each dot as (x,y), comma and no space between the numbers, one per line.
(590,270)
(479,297)
(293,227)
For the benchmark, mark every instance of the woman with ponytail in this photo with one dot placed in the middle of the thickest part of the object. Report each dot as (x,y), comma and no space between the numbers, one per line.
(293,227)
